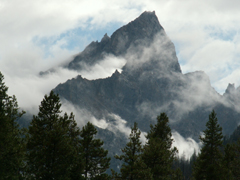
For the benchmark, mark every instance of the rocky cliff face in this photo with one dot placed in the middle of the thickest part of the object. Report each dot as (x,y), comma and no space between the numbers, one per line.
(151,70)
(151,82)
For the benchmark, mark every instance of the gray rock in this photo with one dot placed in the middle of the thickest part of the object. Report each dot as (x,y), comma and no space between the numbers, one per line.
(151,82)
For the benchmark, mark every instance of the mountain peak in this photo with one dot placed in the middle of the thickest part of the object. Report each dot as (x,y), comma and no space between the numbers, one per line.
(148,18)
(140,31)
(105,38)
(146,26)
(147,13)
(230,89)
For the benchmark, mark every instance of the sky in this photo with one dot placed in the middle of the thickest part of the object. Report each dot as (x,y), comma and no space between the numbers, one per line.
(38,35)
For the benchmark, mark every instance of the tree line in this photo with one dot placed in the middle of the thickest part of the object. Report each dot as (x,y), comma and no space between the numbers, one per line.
(54,147)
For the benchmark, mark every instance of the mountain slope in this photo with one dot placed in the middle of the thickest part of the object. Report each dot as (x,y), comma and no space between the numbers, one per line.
(151,82)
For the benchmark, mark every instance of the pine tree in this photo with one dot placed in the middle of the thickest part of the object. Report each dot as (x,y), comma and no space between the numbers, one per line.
(234,160)
(53,143)
(133,167)
(209,162)
(11,137)
(95,158)
(158,152)
(229,155)
(231,161)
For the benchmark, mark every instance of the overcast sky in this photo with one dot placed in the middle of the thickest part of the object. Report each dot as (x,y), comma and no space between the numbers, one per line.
(37,35)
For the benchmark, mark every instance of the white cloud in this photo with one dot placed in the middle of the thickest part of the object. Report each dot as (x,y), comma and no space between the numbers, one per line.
(82,116)
(205,34)
(186,147)
(30,90)
(111,122)
(104,68)
(35,35)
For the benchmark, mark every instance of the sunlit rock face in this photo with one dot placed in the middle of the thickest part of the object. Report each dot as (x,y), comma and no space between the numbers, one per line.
(150,82)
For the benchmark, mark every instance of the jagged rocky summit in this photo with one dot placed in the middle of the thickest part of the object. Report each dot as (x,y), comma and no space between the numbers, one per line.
(151,69)
(128,39)
(151,82)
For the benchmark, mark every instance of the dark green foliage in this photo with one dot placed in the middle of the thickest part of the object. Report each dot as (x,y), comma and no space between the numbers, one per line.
(209,162)
(185,166)
(235,165)
(11,137)
(177,175)
(231,161)
(133,167)
(53,143)
(158,152)
(229,155)
(95,158)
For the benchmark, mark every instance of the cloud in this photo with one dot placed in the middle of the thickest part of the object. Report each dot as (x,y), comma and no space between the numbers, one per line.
(104,68)
(30,90)
(46,28)
(110,121)
(204,33)
(186,147)
(117,125)
(193,90)
(161,51)
(38,35)
(42,38)
(82,116)
(120,125)
(195,93)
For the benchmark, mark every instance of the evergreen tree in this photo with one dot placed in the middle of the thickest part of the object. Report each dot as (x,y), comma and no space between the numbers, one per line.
(234,160)
(133,168)
(95,158)
(229,155)
(231,161)
(209,162)
(158,152)
(183,168)
(53,143)
(11,137)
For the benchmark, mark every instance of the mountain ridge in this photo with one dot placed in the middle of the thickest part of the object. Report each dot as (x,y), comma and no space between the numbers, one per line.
(140,31)
(151,77)
(150,82)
